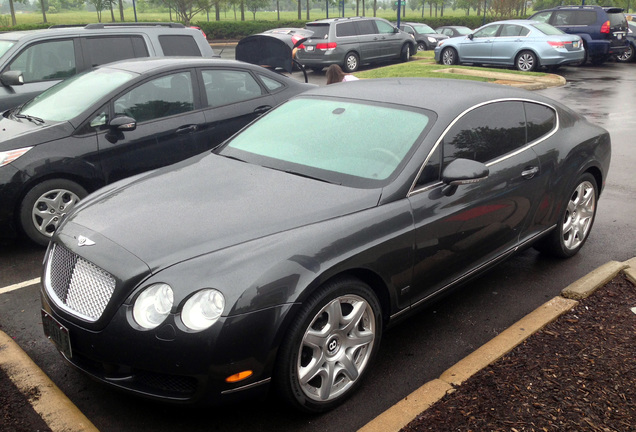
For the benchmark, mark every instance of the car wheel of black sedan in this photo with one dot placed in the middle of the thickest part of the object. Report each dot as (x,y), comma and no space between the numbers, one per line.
(526,61)
(330,345)
(576,221)
(351,63)
(44,205)
(450,57)
(626,56)
(421,46)
(405,53)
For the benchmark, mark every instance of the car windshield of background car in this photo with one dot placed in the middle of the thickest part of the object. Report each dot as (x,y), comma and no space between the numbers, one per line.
(423,29)
(547,29)
(71,97)
(5,45)
(340,140)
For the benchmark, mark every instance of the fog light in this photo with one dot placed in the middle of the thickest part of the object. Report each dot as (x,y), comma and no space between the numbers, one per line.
(153,305)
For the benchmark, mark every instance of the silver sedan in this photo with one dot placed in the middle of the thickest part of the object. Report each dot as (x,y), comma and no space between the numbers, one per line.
(526,45)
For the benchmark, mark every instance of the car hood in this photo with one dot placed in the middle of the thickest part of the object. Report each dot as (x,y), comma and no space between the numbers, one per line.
(24,133)
(208,203)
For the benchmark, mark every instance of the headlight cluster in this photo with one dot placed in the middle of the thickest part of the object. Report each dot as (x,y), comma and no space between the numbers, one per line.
(199,312)
(431,39)
(7,157)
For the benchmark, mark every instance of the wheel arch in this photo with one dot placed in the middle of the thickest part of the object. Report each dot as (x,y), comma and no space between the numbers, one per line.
(533,52)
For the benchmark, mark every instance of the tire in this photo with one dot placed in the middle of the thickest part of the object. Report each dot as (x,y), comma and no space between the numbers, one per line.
(526,61)
(449,57)
(329,346)
(421,46)
(575,222)
(317,69)
(44,205)
(405,53)
(627,56)
(351,62)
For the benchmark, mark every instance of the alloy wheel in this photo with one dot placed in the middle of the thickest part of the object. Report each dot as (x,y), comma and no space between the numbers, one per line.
(579,215)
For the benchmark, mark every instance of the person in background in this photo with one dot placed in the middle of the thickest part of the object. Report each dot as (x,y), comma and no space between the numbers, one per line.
(336,75)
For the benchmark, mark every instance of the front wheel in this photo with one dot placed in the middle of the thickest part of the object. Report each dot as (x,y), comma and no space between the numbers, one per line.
(421,46)
(575,222)
(351,63)
(526,61)
(450,57)
(626,56)
(45,204)
(405,53)
(329,346)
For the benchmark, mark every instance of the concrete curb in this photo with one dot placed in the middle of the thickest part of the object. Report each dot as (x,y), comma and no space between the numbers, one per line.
(57,411)
(402,413)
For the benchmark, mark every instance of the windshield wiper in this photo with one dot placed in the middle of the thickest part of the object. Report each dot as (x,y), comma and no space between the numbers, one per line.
(311,177)
(30,118)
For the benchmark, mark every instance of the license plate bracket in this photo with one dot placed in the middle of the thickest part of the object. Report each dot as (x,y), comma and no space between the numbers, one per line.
(57,333)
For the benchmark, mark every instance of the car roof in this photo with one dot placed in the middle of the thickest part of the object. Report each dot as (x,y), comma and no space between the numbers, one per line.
(55,31)
(443,96)
(146,64)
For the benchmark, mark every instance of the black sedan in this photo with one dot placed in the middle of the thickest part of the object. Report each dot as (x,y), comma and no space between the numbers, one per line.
(117,121)
(454,31)
(279,258)
(424,35)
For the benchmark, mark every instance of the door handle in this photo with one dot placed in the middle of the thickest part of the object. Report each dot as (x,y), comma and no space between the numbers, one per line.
(529,172)
(262,109)
(187,129)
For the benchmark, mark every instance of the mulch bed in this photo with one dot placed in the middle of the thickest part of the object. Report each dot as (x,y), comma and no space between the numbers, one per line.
(577,374)
(16,413)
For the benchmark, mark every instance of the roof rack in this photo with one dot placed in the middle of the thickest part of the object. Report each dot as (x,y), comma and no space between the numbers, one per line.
(54,26)
(134,24)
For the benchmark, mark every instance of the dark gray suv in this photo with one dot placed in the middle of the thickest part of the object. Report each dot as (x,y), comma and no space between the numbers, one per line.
(350,42)
(32,61)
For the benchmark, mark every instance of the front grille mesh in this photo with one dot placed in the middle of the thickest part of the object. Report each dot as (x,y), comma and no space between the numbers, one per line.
(78,285)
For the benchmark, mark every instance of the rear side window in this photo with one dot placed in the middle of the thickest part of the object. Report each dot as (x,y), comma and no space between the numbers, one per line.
(345,29)
(540,120)
(223,87)
(179,45)
(366,27)
(46,61)
(585,18)
(102,50)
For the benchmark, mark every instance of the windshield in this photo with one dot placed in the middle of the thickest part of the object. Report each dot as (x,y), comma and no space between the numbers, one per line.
(423,29)
(547,29)
(352,143)
(73,96)
(463,30)
(5,45)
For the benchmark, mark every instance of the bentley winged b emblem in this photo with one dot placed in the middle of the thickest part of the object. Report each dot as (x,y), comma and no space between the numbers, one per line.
(84,241)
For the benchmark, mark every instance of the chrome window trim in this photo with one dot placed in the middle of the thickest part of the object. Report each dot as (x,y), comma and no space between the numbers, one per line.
(414,191)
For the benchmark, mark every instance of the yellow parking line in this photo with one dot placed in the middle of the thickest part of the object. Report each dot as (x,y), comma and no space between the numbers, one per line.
(19,285)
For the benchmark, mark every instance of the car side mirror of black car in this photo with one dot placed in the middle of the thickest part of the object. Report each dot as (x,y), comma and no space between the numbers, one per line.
(11,78)
(123,124)
(461,172)
(470,36)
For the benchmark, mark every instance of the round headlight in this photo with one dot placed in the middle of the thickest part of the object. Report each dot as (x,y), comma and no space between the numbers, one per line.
(153,305)
(431,39)
(203,309)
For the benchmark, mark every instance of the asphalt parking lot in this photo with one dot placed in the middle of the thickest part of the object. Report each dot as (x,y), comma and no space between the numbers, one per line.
(413,353)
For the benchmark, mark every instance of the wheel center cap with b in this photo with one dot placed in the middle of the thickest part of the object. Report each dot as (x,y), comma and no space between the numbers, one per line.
(333,345)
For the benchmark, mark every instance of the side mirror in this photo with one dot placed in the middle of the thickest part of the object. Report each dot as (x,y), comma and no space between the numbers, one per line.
(462,172)
(123,124)
(11,78)
(470,36)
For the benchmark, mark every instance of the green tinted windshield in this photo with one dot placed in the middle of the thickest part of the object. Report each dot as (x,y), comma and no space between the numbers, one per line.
(73,96)
(423,29)
(5,45)
(331,139)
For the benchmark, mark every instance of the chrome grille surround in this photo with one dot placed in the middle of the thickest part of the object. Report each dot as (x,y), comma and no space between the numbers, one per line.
(76,285)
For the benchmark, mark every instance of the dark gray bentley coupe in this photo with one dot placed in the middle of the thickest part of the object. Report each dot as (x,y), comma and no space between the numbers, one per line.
(279,258)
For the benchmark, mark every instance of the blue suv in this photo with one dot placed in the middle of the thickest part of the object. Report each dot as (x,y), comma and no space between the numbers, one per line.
(603,29)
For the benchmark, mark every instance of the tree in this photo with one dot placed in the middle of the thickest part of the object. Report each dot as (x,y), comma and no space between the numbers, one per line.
(254,5)
(99,5)
(44,8)
(187,9)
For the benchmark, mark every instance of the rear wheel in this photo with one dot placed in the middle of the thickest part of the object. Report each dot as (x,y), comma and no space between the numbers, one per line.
(351,62)
(627,56)
(576,220)
(405,53)
(450,57)
(526,61)
(45,204)
(330,345)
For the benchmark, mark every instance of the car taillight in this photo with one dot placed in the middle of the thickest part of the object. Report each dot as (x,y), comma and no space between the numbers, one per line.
(326,46)
(605,28)
(557,44)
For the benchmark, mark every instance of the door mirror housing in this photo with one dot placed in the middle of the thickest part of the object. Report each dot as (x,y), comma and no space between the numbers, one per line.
(462,172)
(11,78)
(123,124)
